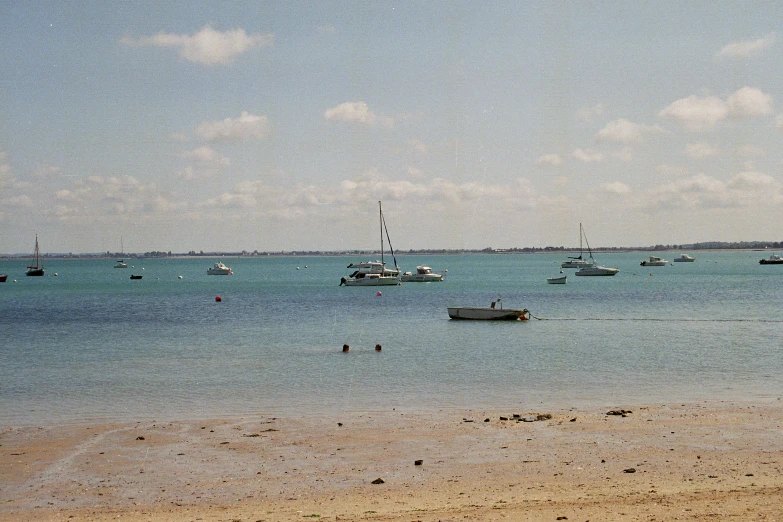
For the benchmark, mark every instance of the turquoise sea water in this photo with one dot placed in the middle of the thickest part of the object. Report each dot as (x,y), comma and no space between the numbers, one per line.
(90,344)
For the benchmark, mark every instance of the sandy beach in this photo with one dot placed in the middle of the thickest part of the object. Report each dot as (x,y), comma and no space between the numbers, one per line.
(703,461)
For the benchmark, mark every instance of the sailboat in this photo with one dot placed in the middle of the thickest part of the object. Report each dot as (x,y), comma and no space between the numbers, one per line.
(121,263)
(36,269)
(374,273)
(579,262)
(593,269)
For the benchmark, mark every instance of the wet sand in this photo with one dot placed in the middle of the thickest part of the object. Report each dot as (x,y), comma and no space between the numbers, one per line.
(703,461)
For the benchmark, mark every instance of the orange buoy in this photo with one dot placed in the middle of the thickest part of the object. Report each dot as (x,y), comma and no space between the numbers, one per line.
(218,299)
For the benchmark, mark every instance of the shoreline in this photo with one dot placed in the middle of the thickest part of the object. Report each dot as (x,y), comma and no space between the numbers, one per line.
(687,461)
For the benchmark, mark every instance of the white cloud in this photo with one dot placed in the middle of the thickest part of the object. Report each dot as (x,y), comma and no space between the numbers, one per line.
(245,127)
(590,114)
(746,48)
(750,151)
(588,155)
(207,155)
(744,190)
(779,121)
(208,46)
(748,102)
(327,29)
(617,187)
(700,150)
(624,131)
(357,112)
(701,113)
(549,160)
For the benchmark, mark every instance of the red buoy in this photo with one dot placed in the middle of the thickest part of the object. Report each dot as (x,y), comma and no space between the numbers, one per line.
(378,293)
(218,299)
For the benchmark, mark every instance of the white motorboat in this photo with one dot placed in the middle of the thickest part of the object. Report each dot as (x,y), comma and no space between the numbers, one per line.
(219,269)
(493,313)
(558,280)
(774,259)
(654,261)
(579,262)
(597,270)
(424,274)
(374,273)
(684,258)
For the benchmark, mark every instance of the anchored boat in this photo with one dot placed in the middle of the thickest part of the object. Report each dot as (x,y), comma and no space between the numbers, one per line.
(493,313)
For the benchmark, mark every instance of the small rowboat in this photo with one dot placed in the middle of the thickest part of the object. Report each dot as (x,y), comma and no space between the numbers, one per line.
(489,314)
(559,280)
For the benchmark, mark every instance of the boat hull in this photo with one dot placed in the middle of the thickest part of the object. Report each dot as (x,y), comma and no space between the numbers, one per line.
(3,278)
(212,271)
(556,280)
(653,263)
(34,272)
(680,260)
(597,271)
(487,314)
(370,281)
(421,278)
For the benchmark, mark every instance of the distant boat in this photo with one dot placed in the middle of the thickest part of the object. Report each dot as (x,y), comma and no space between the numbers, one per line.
(136,276)
(557,280)
(36,269)
(579,262)
(654,261)
(492,313)
(219,269)
(374,273)
(121,263)
(774,259)
(684,258)
(3,278)
(424,274)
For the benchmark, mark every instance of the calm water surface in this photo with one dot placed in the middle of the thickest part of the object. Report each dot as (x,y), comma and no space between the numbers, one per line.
(90,344)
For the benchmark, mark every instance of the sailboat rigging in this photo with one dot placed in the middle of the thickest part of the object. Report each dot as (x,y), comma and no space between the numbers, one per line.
(375,273)
(580,262)
(121,263)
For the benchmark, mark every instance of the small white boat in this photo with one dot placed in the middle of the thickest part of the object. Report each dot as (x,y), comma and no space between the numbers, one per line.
(493,313)
(654,261)
(219,269)
(558,280)
(597,271)
(121,264)
(424,274)
(774,259)
(684,258)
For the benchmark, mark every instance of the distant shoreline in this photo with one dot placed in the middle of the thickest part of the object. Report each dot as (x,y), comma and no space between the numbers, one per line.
(711,246)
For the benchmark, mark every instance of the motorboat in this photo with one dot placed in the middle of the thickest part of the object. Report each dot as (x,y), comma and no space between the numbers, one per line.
(424,274)
(374,273)
(774,259)
(136,276)
(557,280)
(597,270)
(579,262)
(36,269)
(219,269)
(493,313)
(3,278)
(654,261)
(684,258)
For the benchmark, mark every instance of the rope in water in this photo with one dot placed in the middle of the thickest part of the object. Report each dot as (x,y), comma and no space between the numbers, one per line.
(657,319)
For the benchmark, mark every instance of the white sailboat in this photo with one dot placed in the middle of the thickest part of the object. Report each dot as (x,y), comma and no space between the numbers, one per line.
(593,269)
(121,263)
(579,262)
(374,273)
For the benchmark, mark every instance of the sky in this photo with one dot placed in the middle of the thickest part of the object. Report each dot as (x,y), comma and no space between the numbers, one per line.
(280,125)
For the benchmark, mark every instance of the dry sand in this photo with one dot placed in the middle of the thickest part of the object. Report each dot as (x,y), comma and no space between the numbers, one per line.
(706,461)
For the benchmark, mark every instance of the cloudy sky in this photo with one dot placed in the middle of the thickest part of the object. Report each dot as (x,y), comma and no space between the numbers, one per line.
(279,125)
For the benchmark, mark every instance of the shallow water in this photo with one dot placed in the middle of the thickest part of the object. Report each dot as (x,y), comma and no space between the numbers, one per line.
(90,344)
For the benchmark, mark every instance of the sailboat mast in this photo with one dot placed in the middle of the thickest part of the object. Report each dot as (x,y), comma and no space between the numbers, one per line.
(380,221)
